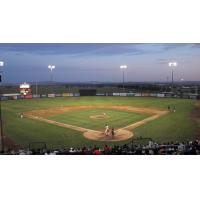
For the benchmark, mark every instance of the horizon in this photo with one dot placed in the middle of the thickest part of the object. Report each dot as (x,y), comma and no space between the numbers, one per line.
(102,83)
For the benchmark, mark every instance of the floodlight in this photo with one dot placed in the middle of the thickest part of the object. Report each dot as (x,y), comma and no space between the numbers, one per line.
(1,120)
(1,63)
(123,67)
(51,67)
(172,64)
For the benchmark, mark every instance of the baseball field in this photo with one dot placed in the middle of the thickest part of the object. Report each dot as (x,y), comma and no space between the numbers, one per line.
(80,121)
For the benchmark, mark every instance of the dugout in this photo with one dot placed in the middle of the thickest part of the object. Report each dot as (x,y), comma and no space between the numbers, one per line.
(87,92)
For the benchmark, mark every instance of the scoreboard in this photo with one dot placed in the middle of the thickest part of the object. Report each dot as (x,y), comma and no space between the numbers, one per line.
(25,90)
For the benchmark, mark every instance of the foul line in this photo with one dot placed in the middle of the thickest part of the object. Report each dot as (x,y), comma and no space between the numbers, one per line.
(83,130)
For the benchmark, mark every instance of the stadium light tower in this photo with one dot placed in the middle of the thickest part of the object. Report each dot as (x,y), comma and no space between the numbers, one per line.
(172,65)
(51,67)
(123,68)
(1,122)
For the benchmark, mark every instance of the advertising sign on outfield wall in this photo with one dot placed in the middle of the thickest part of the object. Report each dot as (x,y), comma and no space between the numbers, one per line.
(67,94)
(153,95)
(115,94)
(18,96)
(76,94)
(193,96)
(185,96)
(28,96)
(43,95)
(160,95)
(35,96)
(9,95)
(146,94)
(130,94)
(138,94)
(51,95)
(100,94)
(58,95)
(4,98)
(123,94)
(14,97)
(168,95)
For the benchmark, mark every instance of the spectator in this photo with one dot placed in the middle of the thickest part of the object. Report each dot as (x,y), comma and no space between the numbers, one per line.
(152,148)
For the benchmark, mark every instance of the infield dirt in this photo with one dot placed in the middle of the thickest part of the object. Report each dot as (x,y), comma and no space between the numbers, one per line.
(123,133)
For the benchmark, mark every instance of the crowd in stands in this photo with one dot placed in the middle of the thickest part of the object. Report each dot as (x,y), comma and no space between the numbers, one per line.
(152,148)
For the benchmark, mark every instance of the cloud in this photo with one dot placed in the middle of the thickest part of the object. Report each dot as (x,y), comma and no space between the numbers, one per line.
(86,68)
(162,61)
(75,49)
(44,49)
(171,46)
(196,45)
(93,49)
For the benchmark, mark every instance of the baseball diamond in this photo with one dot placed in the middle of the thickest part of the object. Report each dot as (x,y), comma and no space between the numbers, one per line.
(78,121)
(123,133)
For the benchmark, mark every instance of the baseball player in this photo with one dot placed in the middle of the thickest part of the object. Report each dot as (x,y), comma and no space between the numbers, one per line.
(106,129)
(113,132)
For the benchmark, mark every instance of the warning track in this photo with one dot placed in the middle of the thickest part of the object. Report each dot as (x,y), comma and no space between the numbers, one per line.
(120,134)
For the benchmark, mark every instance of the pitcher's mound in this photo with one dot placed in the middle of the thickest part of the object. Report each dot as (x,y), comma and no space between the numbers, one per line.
(101,116)
(120,135)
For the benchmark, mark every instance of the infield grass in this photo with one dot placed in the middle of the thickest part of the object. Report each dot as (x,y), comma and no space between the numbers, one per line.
(86,118)
(174,126)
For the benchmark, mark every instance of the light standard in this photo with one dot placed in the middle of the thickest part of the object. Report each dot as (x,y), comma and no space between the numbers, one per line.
(1,122)
(51,67)
(172,65)
(123,68)
(36,88)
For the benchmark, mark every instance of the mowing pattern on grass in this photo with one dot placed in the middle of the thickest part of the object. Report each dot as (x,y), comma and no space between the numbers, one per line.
(116,119)
(79,118)
(179,126)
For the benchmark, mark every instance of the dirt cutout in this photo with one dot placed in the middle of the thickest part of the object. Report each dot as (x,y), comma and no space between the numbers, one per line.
(99,117)
(120,134)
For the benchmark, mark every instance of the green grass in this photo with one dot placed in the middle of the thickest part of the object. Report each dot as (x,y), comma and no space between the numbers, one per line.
(116,118)
(175,126)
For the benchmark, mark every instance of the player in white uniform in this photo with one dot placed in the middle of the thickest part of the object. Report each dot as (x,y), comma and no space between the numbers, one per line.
(106,130)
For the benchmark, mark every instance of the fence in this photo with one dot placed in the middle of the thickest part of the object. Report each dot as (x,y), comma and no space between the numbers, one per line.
(5,97)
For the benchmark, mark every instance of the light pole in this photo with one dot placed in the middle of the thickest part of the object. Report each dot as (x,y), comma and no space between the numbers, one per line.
(51,67)
(123,68)
(172,65)
(1,122)
(36,88)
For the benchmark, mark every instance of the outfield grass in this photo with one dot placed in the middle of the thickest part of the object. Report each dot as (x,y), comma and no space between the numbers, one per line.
(175,126)
(115,118)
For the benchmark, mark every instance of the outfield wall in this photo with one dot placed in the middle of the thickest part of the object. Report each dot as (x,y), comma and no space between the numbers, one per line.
(5,97)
